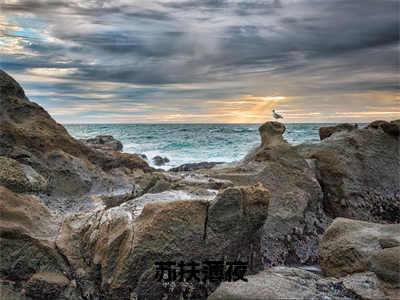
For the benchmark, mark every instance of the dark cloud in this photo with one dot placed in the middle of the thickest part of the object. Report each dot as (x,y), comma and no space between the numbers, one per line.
(251,44)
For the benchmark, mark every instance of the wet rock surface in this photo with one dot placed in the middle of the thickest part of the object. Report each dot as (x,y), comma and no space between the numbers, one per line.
(104,143)
(160,161)
(194,166)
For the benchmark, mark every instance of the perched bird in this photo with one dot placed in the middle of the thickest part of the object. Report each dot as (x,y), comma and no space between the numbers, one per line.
(276,115)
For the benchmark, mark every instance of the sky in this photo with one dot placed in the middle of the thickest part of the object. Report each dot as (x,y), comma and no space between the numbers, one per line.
(210,61)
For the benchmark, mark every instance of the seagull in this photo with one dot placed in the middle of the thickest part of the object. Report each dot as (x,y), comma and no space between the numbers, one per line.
(276,115)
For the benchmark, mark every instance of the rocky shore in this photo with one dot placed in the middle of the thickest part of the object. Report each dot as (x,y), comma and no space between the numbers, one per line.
(79,219)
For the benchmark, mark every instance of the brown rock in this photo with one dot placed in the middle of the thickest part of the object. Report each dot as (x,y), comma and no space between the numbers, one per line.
(122,248)
(271,133)
(41,157)
(27,231)
(325,132)
(359,172)
(391,128)
(347,246)
(290,233)
(103,143)
(26,126)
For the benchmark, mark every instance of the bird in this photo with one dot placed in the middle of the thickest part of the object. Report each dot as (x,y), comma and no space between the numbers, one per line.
(276,115)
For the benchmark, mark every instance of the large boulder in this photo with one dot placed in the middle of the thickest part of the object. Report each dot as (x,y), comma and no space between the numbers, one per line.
(350,246)
(290,233)
(327,131)
(116,249)
(359,172)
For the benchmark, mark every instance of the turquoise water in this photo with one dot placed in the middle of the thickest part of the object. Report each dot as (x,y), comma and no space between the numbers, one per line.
(185,143)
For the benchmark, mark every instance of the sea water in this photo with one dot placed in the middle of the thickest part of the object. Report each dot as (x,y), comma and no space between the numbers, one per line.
(188,143)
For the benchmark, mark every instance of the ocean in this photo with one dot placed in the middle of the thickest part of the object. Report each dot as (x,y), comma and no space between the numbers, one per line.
(188,143)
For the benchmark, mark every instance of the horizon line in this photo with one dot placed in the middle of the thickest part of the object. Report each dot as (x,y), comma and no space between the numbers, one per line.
(167,123)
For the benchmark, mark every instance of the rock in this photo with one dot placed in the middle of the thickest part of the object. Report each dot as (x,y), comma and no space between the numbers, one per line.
(271,133)
(359,172)
(194,166)
(27,231)
(290,234)
(9,87)
(46,285)
(327,131)
(114,160)
(135,206)
(391,128)
(70,175)
(116,249)
(193,180)
(386,264)
(396,122)
(41,157)
(348,246)
(159,161)
(11,291)
(283,283)
(25,127)
(365,285)
(103,143)
(20,178)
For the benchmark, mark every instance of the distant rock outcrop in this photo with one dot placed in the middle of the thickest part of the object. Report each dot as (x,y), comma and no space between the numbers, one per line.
(159,161)
(103,143)
(392,128)
(194,166)
(327,131)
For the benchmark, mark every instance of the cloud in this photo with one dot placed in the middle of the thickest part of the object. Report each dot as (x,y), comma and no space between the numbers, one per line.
(164,52)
